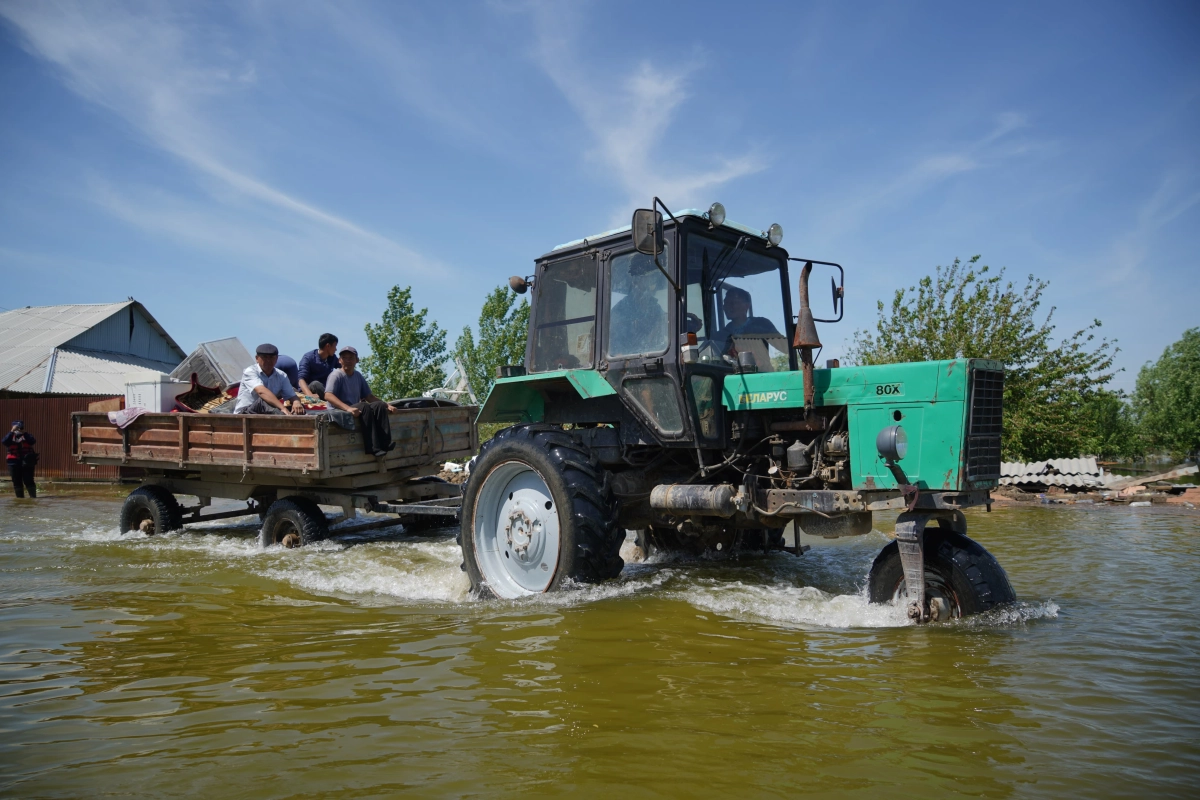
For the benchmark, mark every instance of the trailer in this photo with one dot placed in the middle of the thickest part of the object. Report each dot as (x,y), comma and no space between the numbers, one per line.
(284,467)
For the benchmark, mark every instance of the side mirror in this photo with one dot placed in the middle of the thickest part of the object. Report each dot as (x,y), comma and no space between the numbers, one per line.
(648,231)
(518,284)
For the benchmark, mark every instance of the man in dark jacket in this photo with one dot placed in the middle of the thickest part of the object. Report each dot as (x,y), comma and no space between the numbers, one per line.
(315,366)
(21,459)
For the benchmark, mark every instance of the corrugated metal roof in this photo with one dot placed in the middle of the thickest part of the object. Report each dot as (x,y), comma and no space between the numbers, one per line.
(1055,466)
(83,372)
(1078,481)
(1075,472)
(29,338)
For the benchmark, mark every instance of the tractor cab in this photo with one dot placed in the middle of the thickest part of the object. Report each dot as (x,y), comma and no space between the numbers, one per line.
(663,316)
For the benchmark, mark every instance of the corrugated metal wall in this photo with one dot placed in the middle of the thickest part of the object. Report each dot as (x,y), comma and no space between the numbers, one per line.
(127,331)
(49,420)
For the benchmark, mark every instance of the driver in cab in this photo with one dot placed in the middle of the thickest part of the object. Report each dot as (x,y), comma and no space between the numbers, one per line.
(737,310)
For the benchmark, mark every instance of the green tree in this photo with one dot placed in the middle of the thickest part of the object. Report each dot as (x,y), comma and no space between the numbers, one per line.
(965,311)
(407,353)
(503,329)
(1112,431)
(1166,399)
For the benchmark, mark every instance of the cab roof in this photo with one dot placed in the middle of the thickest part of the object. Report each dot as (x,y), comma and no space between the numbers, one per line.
(687,212)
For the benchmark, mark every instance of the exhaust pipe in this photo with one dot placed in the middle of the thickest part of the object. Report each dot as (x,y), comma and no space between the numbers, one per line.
(806,337)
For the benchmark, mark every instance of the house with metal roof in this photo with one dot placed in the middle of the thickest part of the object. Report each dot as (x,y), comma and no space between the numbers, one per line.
(82,349)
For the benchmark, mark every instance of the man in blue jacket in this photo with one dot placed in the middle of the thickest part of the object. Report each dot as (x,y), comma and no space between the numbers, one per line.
(315,365)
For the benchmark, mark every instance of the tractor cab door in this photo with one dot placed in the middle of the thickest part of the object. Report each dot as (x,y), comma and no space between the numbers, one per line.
(640,350)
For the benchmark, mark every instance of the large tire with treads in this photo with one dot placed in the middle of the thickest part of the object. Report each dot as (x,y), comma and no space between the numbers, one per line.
(152,503)
(293,515)
(961,568)
(538,512)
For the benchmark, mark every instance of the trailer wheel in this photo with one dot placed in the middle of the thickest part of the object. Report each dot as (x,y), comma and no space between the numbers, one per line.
(298,517)
(151,509)
(538,510)
(958,570)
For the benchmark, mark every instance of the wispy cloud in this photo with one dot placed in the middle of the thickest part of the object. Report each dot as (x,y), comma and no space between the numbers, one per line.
(922,172)
(167,77)
(1175,194)
(629,116)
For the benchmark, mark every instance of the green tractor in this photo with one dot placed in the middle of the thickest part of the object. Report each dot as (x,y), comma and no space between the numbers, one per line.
(669,389)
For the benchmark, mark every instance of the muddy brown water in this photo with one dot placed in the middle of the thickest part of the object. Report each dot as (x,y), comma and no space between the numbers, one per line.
(197,665)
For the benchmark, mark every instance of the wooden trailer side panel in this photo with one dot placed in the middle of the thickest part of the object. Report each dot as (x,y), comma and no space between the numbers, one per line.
(188,440)
(421,436)
(311,444)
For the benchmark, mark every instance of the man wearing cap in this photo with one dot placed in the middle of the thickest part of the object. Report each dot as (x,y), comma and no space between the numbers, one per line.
(264,389)
(347,390)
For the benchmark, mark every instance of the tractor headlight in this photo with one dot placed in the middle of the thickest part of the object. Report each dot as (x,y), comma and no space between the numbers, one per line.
(716,215)
(892,443)
(775,234)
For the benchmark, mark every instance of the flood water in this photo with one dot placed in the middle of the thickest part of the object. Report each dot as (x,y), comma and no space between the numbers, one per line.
(197,665)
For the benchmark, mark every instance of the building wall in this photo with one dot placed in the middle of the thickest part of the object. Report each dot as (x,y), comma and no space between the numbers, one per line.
(127,331)
(49,420)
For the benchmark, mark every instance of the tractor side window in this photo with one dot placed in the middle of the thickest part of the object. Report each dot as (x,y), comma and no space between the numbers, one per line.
(637,303)
(565,315)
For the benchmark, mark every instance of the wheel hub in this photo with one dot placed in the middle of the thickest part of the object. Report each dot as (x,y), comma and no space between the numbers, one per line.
(517,531)
(522,533)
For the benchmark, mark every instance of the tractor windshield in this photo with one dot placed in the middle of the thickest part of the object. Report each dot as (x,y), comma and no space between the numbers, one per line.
(735,302)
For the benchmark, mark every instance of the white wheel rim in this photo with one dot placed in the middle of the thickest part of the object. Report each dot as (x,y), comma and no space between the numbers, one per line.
(516,531)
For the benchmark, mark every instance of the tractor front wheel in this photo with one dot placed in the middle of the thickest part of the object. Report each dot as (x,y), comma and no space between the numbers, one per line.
(961,577)
(538,511)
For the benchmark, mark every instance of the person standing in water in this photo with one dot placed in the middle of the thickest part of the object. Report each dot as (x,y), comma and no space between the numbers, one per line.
(21,459)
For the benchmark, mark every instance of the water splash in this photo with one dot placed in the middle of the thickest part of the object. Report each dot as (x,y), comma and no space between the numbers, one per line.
(385,566)
(791,605)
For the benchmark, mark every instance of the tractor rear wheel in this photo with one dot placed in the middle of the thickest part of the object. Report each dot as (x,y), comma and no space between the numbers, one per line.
(538,510)
(958,572)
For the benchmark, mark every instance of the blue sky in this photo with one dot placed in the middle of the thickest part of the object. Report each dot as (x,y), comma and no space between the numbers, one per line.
(270,169)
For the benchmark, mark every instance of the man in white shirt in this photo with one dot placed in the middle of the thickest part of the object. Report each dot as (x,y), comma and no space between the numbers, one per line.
(264,389)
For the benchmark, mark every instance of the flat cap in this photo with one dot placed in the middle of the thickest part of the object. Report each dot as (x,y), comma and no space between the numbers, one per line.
(267,350)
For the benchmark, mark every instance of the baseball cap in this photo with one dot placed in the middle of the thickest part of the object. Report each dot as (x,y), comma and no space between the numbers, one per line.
(267,350)
(18,423)
(348,349)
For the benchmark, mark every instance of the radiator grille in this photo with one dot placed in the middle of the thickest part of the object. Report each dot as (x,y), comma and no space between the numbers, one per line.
(983,428)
